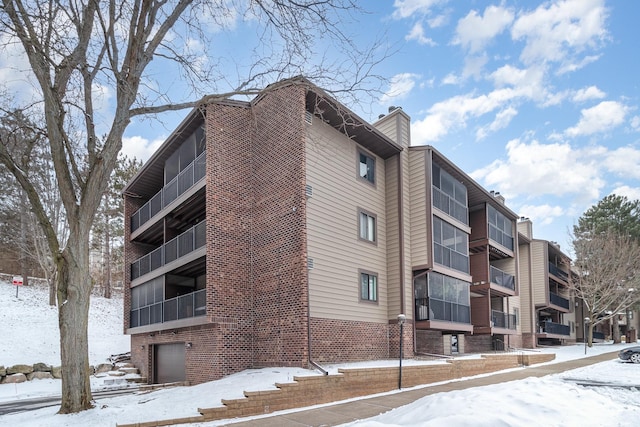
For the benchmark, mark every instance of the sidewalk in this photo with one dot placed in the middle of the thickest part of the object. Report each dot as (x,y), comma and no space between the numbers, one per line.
(341,413)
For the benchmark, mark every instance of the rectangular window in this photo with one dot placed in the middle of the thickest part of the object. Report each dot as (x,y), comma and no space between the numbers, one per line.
(367,226)
(368,286)
(449,194)
(366,167)
(500,228)
(450,246)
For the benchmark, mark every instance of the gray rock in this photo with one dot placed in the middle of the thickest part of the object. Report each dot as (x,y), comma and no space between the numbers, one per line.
(104,367)
(3,371)
(41,367)
(56,372)
(14,378)
(19,369)
(39,376)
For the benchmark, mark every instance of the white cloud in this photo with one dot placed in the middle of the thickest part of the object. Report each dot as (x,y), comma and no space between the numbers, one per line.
(417,34)
(541,214)
(450,79)
(454,112)
(400,86)
(635,122)
(631,193)
(473,65)
(623,161)
(406,8)
(501,121)
(473,31)
(588,93)
(556,31)
(533,169)
(140,147)
(601,118)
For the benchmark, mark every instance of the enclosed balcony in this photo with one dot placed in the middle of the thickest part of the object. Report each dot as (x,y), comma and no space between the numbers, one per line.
(178,186)
(554,330)
(503,320)
(182,245)
(499,283)
(557,272)
(559,302)
(442,302)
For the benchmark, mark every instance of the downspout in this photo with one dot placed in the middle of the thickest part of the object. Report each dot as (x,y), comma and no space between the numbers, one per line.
(311,362)
(401,228)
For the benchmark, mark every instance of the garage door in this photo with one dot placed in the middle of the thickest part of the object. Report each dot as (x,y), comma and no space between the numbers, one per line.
(169,363)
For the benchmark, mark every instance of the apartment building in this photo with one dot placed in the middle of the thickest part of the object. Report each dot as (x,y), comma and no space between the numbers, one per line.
(463,258)
(287,231)
(545,270)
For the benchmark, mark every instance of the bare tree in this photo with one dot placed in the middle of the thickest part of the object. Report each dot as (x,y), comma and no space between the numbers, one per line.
(79,49)
(607,275)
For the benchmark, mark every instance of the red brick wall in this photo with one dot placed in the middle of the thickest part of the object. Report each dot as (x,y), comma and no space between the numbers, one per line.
(229,209)
(335,340)
(477,343)
(428,341)
(279,271)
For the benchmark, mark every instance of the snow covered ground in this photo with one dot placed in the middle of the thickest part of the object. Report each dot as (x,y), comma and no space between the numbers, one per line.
(29,334)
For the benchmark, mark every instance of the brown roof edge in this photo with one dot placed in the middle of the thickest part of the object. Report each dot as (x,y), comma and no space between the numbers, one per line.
(191,121)
(327,108)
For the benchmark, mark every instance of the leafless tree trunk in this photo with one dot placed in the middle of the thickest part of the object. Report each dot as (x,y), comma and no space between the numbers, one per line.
(107,254)
(24,259)
(75,47)
(615,329)
(607,267)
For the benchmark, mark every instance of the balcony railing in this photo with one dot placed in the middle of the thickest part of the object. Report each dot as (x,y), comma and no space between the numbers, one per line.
(503,279)
(503,320)
(553,269)
(187,242)
(186,179)
(182,307)
(555,328)
(434,309)
(558,300)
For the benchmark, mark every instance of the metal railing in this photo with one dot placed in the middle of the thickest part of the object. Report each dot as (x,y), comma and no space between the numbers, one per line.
(434,309)
(555,328)
(187,242)
(186,179)
(555,270)
(182,307)
(503,320)
(558,300)
(501,278)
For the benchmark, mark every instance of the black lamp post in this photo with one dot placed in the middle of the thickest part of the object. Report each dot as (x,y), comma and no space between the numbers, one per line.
(401,320)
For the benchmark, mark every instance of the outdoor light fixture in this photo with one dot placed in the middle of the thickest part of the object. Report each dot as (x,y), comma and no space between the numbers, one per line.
(401,319)
(188,345)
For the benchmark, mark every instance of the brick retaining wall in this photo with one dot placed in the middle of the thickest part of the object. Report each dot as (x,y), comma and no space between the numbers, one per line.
(350,383)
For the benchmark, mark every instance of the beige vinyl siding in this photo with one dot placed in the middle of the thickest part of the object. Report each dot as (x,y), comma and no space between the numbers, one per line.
(393,235)
(419,195)
(396,126)
(539,275)
(332,228)
(527,323)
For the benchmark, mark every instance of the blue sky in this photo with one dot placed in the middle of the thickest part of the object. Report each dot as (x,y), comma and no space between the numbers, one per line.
(536,100)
